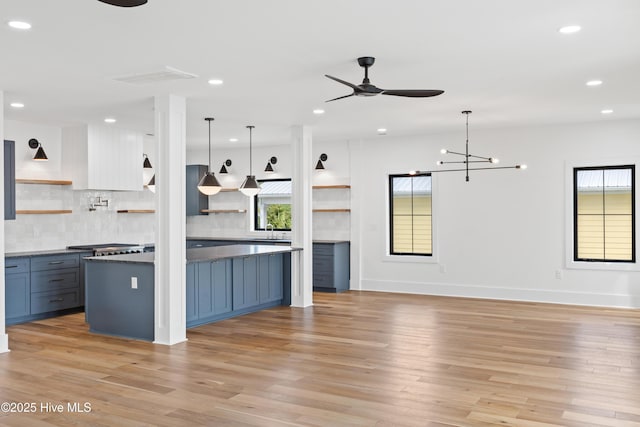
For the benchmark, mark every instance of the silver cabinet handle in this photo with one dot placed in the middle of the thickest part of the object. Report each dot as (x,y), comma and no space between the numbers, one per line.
(56,300)
(55,262)
(10,266)
(56,280)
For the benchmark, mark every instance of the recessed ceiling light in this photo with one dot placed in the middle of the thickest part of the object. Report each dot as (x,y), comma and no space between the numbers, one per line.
(215,82)
(382,131)
(607,111)
(109,120)
(233,139)
(570,29)
(594,82)
(318,111)
(19,25)
(17,105)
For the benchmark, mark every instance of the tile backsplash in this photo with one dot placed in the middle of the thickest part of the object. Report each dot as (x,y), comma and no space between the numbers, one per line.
(82,226)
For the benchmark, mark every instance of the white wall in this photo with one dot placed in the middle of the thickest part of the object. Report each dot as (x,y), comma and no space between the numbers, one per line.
(503,234)
(40,232)
(325,225)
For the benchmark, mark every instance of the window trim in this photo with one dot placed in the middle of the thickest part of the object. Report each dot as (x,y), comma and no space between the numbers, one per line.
(255,205)
(575,213)
(408,256)
(569,262)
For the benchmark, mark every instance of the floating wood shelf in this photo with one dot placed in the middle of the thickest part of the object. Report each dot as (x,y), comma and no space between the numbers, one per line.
(136,211)
(331,210)
(43,211)
(228,189)
(42,181)
(223,210)
(320,187)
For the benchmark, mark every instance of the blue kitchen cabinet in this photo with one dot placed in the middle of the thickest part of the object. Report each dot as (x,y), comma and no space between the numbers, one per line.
(17,289)
(195,200)
(9,180)
(270,278)
(331,266)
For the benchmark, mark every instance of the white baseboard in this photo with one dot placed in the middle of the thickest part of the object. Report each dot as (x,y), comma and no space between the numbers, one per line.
(512,294)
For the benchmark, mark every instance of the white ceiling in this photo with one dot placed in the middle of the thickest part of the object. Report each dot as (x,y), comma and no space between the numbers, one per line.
(503,59)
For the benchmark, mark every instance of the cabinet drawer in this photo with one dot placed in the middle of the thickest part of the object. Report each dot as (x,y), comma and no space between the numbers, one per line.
(52,280)
(322,249)
(16,265)
(54,262)
(42,302)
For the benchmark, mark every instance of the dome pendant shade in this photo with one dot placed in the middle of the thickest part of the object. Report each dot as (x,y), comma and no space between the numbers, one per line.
(250,186)
(209,185)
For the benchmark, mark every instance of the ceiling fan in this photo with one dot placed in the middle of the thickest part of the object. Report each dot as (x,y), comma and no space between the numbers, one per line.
(124,3)
(367,89)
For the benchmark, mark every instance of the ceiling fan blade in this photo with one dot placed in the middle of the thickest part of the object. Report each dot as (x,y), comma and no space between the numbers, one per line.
(413,93)
(351,85)
(124,3)
(340,97)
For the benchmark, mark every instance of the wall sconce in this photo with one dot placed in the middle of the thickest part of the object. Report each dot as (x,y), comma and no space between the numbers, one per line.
(272,161)
(320,165)
(147,170)
(223,169)
(40,154)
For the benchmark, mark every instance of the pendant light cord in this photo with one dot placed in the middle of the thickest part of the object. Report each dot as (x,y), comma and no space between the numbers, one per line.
(250,150)
(467,146)
(209,166)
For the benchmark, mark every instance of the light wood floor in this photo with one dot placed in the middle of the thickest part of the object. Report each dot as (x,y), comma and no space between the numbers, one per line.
(358,358)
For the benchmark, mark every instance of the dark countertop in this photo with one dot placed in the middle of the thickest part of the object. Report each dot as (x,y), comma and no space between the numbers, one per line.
(202,254)
(44,252)
(249,239)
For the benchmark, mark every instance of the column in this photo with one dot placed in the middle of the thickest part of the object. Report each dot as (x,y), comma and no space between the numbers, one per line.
(302,225)
(4,338)
(170,252)
(358,182)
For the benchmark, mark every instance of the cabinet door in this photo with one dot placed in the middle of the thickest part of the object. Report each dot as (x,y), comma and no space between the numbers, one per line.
(245,282)
(196,201)
(214,288)
(9,180)
(17,295)
(191,287)
(270,277)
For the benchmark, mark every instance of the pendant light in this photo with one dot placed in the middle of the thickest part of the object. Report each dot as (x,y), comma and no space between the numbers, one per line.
(468,158)
(250,186)
(320,166)
(152,184)
(209,185)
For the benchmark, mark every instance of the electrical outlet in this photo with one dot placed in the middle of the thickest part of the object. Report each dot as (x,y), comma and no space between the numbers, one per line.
(443,268)
(559,274)
(134,283)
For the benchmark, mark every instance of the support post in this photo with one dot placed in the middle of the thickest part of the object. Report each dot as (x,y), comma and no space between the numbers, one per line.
(170,252)
(4,338)
(302,220)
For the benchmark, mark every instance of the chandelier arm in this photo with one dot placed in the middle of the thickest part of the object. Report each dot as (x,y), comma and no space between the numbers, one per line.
(472,169)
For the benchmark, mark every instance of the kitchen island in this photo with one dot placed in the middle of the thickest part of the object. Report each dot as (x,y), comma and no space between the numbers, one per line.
(221,282)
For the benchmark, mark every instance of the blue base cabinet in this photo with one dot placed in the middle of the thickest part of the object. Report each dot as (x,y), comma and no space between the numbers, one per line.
(226,288)
(17,289)
(38,287)
(331,267)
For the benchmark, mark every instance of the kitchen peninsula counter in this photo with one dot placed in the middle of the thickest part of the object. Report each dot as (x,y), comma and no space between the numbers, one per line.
(221,282)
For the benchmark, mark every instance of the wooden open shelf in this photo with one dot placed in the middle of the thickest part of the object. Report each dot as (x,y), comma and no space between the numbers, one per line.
(228,189)
(331,210)
(223,210)
(320,187)
(42,181)
(136,211)
(43,211)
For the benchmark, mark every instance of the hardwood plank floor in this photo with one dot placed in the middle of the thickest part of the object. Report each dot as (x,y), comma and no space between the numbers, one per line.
(353,359)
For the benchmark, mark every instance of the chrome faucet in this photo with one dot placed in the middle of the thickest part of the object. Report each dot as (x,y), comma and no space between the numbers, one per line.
(271,236)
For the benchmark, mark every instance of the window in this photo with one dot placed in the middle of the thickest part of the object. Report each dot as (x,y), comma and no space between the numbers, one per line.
(410,215)
(272,205)
(604,214)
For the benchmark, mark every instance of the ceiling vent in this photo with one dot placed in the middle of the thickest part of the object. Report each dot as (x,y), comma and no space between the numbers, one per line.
(164,75)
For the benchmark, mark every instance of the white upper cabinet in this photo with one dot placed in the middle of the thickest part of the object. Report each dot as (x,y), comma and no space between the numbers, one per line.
(103,157)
